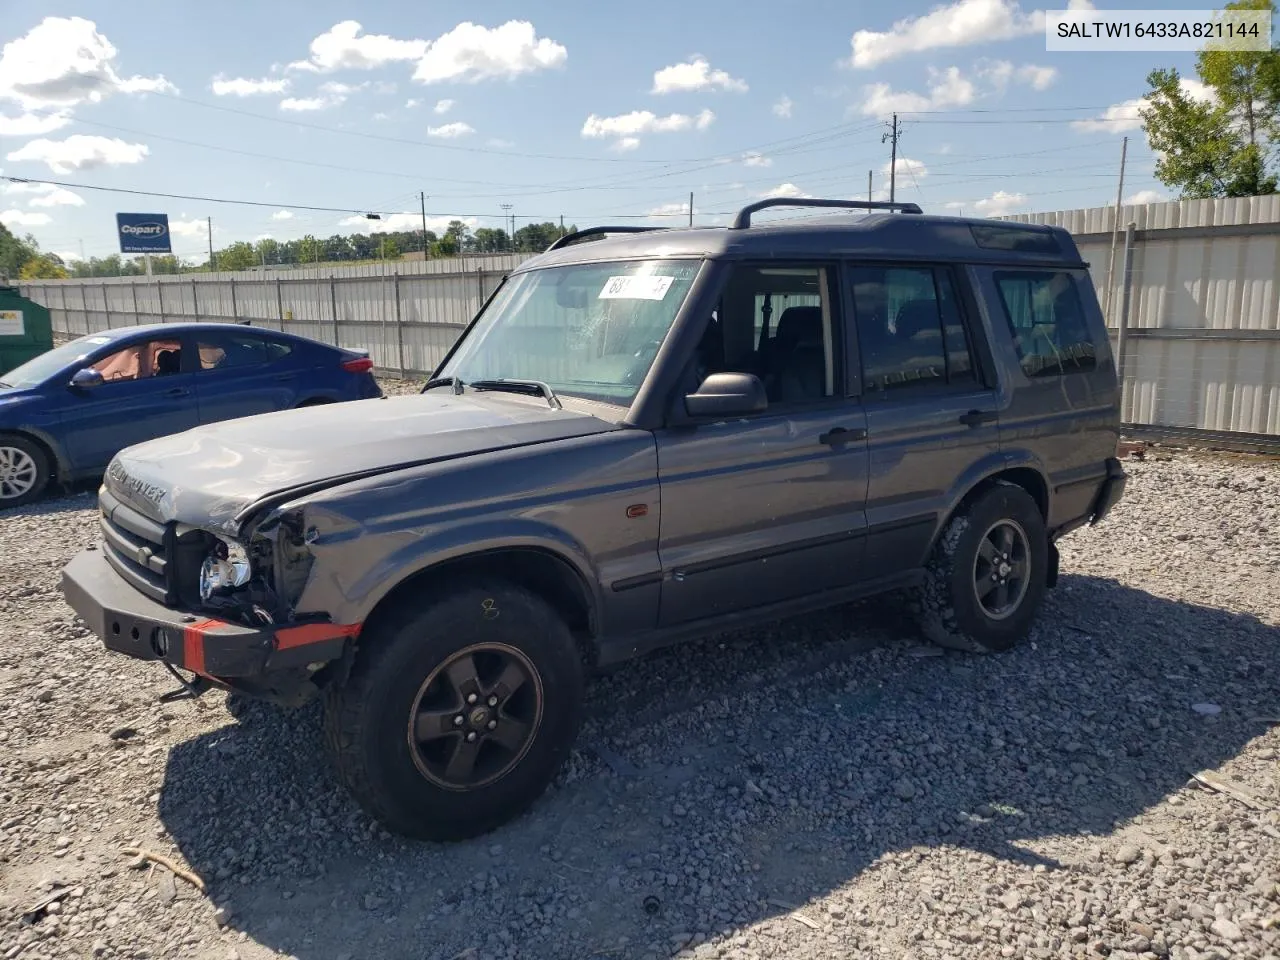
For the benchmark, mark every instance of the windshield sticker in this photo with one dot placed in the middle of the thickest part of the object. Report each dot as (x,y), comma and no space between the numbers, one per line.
(647,287)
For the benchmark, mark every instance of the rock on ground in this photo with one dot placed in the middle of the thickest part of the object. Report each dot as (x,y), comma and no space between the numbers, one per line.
(811,789)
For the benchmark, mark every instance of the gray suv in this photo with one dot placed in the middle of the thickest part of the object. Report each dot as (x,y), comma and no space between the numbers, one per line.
(644,436)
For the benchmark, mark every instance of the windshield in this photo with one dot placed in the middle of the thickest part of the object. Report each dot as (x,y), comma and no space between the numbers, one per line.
(39,369)
(587,330)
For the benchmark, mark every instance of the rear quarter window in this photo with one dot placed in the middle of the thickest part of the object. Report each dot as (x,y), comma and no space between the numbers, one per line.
(1047,321)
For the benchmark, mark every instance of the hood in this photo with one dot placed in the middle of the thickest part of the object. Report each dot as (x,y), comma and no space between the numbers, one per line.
(209,475)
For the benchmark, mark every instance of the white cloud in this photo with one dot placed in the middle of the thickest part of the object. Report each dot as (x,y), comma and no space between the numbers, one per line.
(380,116)
(32,124)
(469,53)
(695,75)
(754,159)
(1000,73)
(79,152)
(262,236)
(411,103)
(243,87)
(342,47)
(63,61)
(305,104)
(627,127)
(782,107)
(1124,116)
(789,190)
(1037,77)
(1145,196)
(342,90)
(198,227)
(398,222)
(47,195)
(443,106)
(671,210)
(498,143)
(959,24)
(20,218)
(282,215)
(947,88)
(451,131)
(999,204)
(907,168)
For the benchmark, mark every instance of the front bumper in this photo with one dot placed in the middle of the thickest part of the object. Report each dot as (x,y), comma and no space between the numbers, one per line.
(1111,491)
(130,623)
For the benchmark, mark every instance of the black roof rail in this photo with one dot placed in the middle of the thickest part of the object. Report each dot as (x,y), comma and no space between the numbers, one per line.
(743,219)
(574,237)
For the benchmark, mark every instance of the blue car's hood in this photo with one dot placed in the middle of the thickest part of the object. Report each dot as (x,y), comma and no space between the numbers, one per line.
(209,475)
(11,396)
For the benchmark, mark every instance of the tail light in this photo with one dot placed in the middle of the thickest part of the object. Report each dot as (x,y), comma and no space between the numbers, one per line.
(358,365)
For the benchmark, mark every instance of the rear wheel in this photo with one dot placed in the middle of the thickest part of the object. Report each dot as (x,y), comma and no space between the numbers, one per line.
(458,712)
(987,574)
(24,471)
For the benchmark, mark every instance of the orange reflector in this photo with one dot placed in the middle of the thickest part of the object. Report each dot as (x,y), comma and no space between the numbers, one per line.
(637,510)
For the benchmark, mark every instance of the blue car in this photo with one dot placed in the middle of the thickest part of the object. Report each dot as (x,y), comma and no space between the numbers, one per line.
(67,412)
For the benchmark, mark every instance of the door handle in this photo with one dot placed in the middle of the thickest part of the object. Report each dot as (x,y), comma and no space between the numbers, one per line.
(838,435)
(975,418)
(177,392)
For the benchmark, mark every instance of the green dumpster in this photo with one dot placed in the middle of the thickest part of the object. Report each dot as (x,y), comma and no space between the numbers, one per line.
(25,329)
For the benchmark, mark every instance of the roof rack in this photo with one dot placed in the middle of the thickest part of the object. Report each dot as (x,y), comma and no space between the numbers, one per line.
(570,238)
(743,219)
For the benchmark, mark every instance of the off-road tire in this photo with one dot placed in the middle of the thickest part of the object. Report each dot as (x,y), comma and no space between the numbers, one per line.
(367,718)
(42,468)
(946,605)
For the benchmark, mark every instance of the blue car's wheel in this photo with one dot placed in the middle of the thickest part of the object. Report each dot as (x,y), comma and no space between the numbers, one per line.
(24,471)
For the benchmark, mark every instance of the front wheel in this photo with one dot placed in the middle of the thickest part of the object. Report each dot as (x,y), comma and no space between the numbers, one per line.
(987,573)
(458,712)
(24,471)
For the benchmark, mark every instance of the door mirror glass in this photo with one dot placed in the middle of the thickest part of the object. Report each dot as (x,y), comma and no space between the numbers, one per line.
(727,395)
(86,379)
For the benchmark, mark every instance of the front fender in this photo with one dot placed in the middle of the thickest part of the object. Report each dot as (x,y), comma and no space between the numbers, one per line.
(351,599)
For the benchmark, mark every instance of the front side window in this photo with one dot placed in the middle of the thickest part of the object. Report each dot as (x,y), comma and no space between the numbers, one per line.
(910,331)
(586,330)
(1047,321)
(154,358)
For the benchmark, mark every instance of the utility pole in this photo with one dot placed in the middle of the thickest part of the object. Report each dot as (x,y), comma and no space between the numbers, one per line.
(506,213)
(691,208)
(562,224)
(209,222)
(892,136)
(1115,231)
(869,175)
(422,198)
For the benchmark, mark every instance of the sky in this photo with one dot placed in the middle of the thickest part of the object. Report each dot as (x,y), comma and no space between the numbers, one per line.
(592,112)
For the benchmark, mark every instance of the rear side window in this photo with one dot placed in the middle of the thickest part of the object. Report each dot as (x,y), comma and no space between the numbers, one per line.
(221,351)
(1046,318)
(910,331)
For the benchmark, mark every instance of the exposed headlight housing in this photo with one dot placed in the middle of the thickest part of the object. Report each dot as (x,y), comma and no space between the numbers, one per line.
(225,568)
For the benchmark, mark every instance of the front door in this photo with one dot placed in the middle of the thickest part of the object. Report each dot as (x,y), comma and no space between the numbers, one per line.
(146,392)
(931,413)
(768,507)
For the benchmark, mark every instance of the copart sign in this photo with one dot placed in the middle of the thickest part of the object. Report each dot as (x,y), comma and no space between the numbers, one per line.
(143,232)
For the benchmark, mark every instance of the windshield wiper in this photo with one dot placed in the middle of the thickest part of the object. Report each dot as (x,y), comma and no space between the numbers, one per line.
(454,382)
(530,387)
(3,384)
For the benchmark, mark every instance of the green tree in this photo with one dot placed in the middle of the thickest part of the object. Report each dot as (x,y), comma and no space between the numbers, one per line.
(308,250)
(536,237)
(14,253)
(45,266)
(490,240)
(239,256)
(1224,147)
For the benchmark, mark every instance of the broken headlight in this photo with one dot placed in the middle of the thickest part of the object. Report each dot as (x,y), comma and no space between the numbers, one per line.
(225,568)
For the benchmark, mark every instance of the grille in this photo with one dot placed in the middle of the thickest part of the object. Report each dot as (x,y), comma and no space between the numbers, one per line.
(136,547)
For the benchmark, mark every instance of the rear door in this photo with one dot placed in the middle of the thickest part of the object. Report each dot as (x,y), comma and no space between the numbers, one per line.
(146,392)
(931,409)
(1064,398)
(767,507)
(241,374)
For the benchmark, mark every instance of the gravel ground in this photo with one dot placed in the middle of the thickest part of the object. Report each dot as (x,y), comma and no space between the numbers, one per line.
(827,787)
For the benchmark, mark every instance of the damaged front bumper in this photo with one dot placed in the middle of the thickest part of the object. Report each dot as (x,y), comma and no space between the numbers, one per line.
(279,663)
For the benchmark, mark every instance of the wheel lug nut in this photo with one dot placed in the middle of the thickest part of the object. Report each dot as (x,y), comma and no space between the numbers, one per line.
(493,701)
(458,720)
(493,724)
(472,698)
(471,737)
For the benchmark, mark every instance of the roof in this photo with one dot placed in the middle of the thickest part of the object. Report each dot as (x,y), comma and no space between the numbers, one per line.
(207,326)
(888,236)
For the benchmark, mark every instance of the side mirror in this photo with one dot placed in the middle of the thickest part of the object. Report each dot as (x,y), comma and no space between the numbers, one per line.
(727,395)
(86,379)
